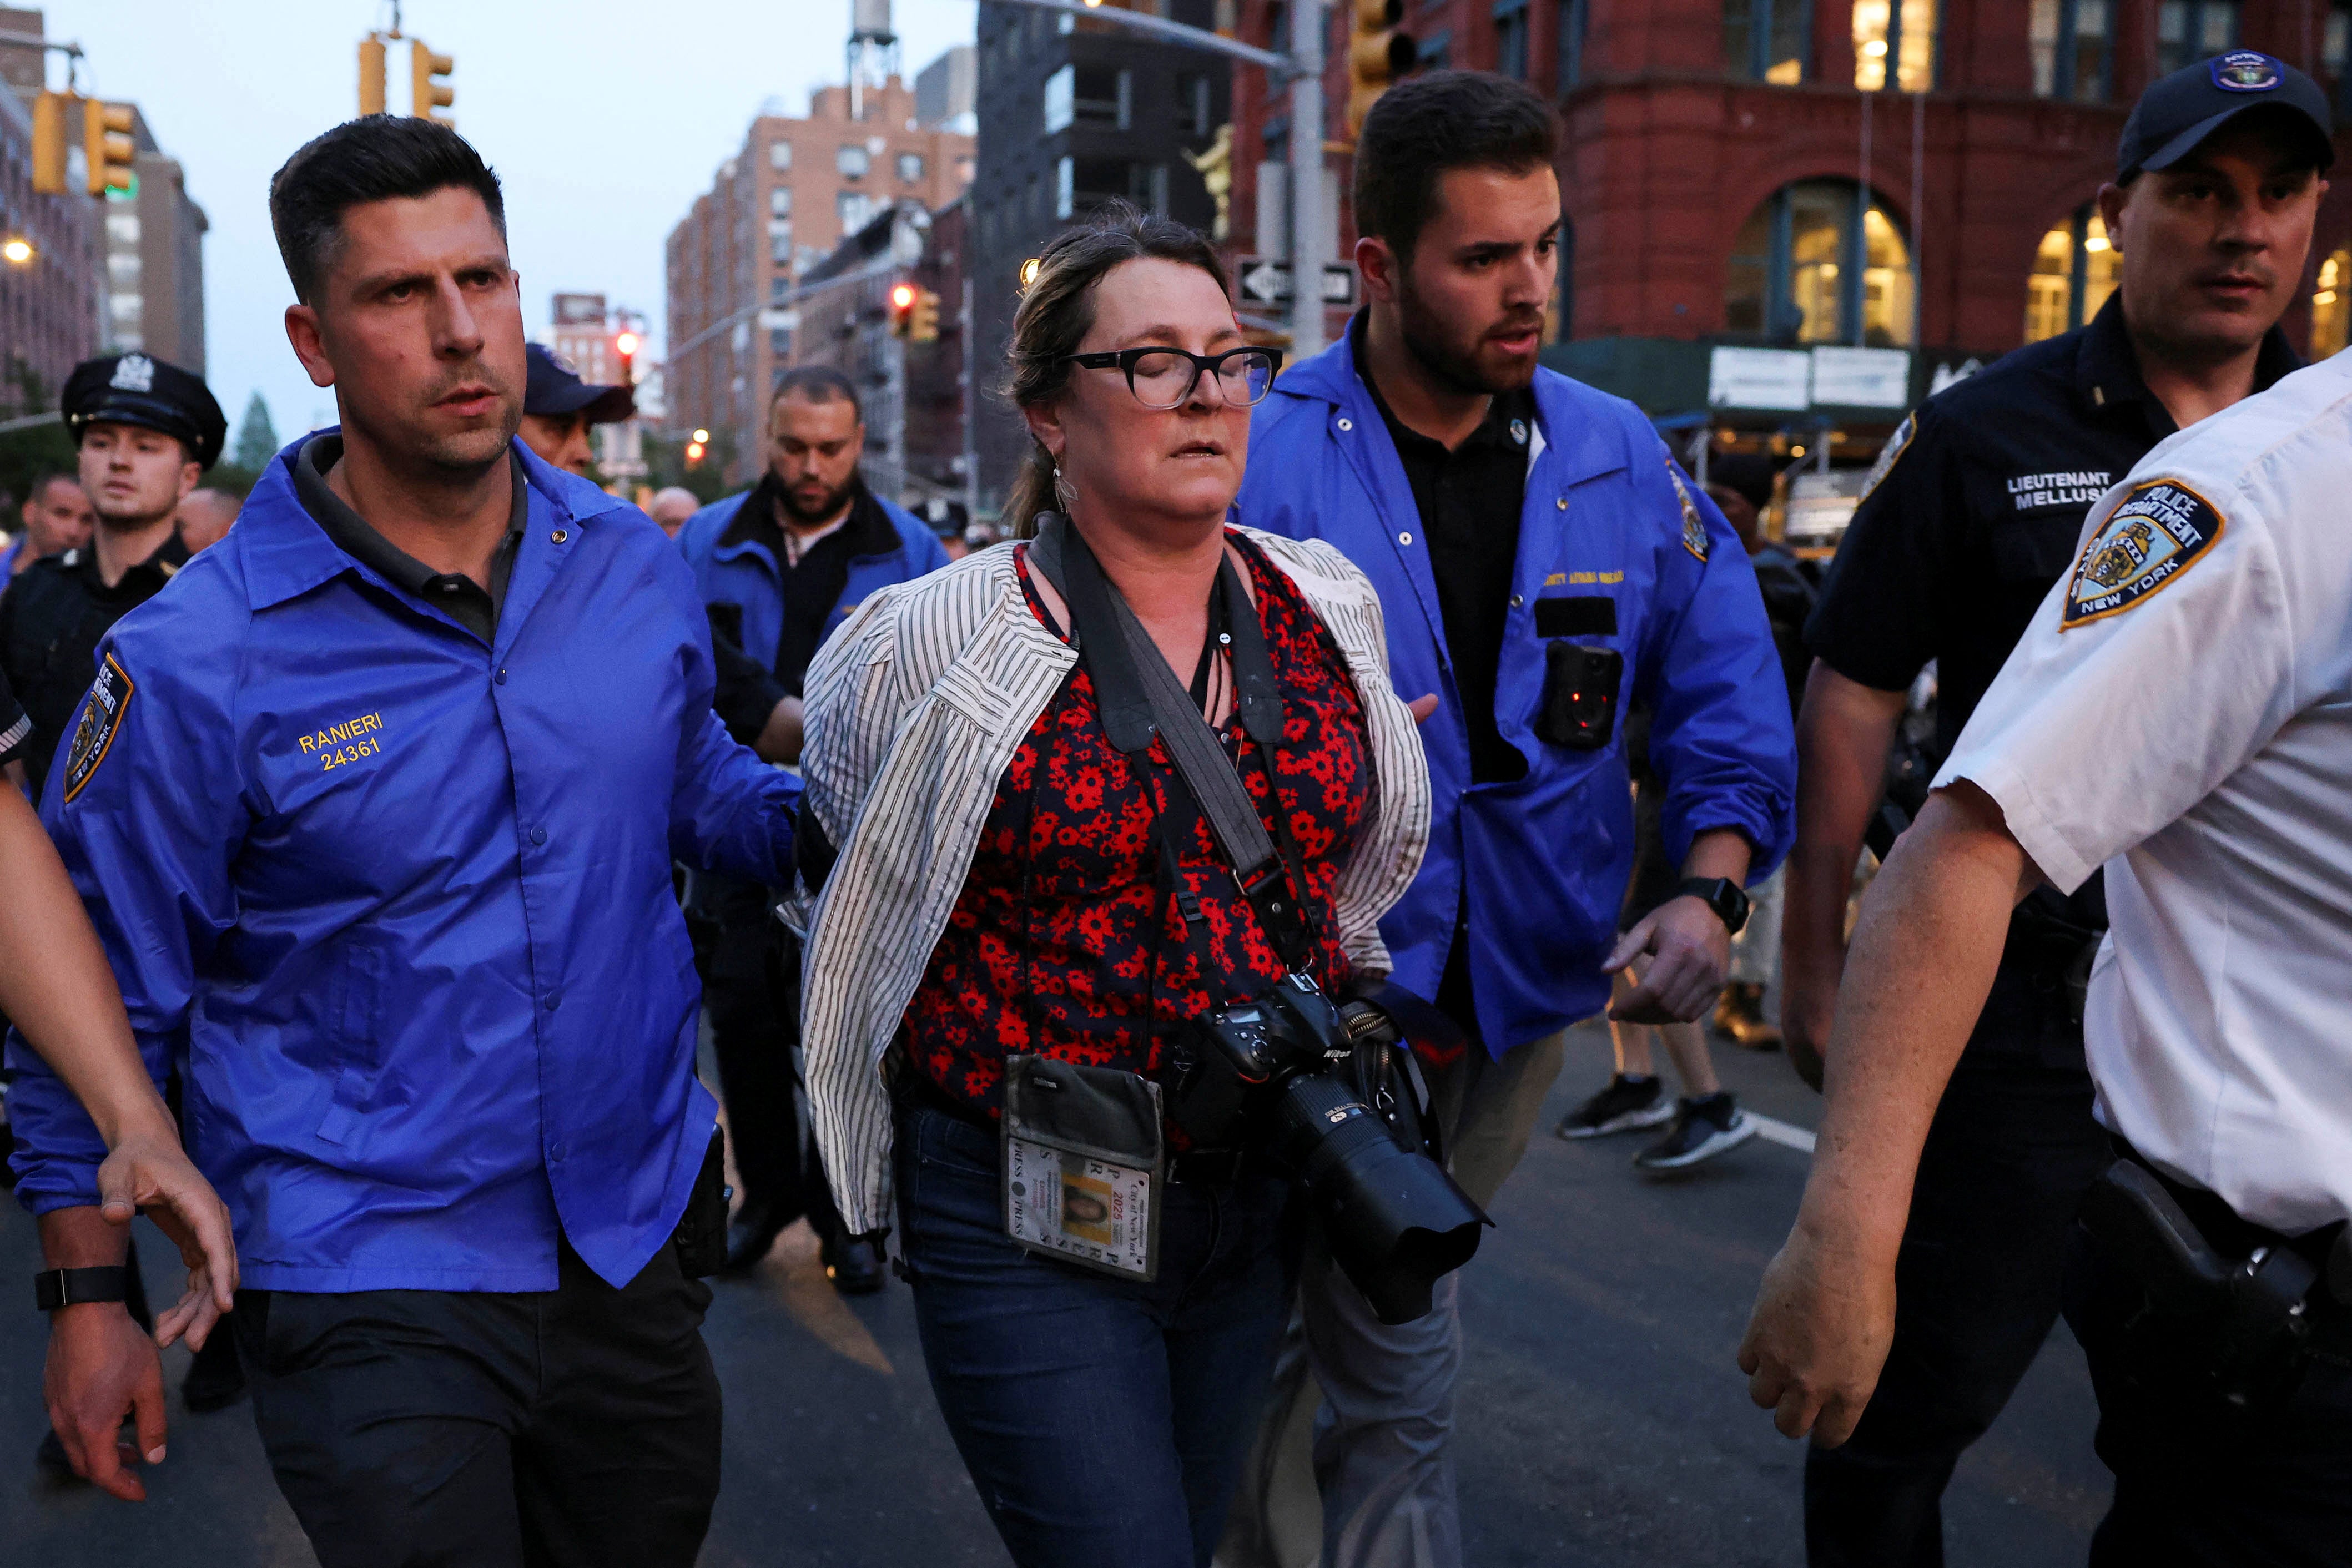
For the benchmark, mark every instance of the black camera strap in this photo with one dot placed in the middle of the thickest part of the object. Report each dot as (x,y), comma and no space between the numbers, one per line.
(1138,694)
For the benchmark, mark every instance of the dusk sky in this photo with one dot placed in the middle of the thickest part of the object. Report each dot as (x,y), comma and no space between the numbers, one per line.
(603,119)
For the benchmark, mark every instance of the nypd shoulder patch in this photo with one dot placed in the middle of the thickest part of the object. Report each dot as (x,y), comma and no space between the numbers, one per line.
(102,717)
(1695,538)
(2157,532)
(1888,454)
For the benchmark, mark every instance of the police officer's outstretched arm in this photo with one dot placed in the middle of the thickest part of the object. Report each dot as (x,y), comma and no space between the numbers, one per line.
(1720,740)
(145,813)
(2122,706)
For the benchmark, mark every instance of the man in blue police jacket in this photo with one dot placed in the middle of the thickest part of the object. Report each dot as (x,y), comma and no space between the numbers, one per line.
(779,567)
(1543,566)
(373,807)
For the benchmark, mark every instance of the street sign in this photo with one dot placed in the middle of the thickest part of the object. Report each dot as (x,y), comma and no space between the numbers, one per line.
(1267,280)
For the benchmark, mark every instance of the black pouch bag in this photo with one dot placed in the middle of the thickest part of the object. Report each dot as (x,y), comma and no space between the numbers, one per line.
(703,1232)
(1083,1165)
(1580,695)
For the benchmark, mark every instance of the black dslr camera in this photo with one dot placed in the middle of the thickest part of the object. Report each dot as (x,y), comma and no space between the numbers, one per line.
(1286,1069)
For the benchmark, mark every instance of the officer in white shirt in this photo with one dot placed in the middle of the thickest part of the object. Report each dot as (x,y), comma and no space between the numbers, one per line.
(2181,713)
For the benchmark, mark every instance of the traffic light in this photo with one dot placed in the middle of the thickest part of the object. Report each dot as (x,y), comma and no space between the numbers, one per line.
(696,447)
(426,92)
(49,143)
(106,143)
(372,99)
(923,327)
(903,297)
(1379,56)
(625,344)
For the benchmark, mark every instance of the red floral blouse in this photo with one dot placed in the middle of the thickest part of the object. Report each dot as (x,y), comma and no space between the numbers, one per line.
(1070,940)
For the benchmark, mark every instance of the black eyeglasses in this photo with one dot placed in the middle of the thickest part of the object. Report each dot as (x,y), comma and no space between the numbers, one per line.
(1164,378)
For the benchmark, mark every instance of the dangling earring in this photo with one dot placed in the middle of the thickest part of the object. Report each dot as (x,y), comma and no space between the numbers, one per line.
(1062,492)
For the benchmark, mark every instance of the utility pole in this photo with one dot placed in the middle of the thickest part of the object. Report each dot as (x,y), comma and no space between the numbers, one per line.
(1308,198)
(964,347)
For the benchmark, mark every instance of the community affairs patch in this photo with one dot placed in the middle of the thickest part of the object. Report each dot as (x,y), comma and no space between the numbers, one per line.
(2154,535)
(102,717)
(1886,456)
(1695,538)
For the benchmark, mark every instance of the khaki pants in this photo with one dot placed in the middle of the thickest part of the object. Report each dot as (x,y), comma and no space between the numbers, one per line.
(1354,1460)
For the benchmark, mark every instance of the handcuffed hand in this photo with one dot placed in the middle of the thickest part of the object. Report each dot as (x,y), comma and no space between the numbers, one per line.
(151,1172)
(1818,1337)
(1693,953)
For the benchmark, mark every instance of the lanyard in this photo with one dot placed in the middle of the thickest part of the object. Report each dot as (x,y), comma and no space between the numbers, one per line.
(1140,696)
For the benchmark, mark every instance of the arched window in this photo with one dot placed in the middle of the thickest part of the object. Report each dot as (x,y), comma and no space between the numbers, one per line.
(2076,267)
(2331,305)
(1812,262)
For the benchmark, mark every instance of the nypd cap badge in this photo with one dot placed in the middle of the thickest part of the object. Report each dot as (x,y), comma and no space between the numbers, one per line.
(2246,70)
(2156,533)
(102,717)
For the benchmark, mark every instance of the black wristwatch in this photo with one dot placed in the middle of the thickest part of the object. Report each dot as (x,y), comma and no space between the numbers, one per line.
(55,1287)
(1721,895)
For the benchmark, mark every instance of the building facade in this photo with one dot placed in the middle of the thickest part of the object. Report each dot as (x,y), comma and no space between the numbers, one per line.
(1073,111)
(1889,190)
(49,303)
(946,89)
(778,208)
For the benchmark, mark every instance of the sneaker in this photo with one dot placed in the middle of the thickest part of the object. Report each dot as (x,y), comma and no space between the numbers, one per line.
(1739,1016)
(1627,1105)
(1702,1130)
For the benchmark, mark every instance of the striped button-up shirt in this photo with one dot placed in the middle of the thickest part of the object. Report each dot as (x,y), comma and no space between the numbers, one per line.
(914,711)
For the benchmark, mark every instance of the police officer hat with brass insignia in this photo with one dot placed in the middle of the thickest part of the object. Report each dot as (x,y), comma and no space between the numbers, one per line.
(139,389)
(2179,111)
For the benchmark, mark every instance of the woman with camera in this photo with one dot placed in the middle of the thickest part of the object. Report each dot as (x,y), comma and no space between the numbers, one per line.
(1033,917)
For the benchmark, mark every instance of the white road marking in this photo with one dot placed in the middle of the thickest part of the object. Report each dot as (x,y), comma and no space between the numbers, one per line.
(1787,1134)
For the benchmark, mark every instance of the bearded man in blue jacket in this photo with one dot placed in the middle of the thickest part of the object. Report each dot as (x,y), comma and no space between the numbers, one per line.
(1544,567)
(779,567)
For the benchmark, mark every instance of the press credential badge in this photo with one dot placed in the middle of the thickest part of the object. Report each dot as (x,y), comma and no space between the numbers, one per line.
(1084,1209)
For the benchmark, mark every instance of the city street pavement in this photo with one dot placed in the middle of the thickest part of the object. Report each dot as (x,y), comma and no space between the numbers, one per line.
(1603,1420)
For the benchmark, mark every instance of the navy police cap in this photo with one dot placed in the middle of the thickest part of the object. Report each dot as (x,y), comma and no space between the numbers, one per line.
(139,389)
(555,390)
(2180,110)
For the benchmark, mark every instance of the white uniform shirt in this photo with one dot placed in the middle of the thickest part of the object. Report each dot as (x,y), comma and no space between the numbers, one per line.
(2181,710)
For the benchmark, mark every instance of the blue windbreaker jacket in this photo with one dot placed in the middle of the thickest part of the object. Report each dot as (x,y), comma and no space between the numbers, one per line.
(741,571)
(1546,859)
(399,902)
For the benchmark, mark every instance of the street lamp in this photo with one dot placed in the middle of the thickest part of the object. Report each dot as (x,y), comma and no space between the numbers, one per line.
(17,250)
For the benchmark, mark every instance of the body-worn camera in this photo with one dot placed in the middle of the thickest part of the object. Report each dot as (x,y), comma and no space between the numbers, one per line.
(1283,1069)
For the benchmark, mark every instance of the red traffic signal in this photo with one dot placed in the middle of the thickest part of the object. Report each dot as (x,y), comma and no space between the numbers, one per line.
(902,308)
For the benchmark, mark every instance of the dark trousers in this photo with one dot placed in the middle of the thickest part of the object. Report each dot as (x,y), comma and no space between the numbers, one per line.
(1979,1284)
(552,1428)
(1103,1421)
(2197,1482)
(752,989)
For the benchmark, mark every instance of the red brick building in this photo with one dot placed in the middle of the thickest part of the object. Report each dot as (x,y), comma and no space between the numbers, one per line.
(1716,155)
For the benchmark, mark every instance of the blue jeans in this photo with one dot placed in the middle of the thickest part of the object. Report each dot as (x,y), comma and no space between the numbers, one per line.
(1104,1421)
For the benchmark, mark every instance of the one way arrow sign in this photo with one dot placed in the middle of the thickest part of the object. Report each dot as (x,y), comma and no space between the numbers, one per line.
(1267,281)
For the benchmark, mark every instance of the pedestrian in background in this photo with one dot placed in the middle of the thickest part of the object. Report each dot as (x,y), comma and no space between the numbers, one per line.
(780,567)
(559,409)
(671,506)
(205,517)
(57,518)
(373,808)
(1972,515)
(1015,887)
(1542,565)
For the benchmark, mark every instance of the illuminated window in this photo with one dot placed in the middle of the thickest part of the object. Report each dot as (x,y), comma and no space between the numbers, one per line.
(2074,50)
(2331,305)
(1902,31)
(2188,31)
(1768,40)
(2076,267)
(1812,262)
